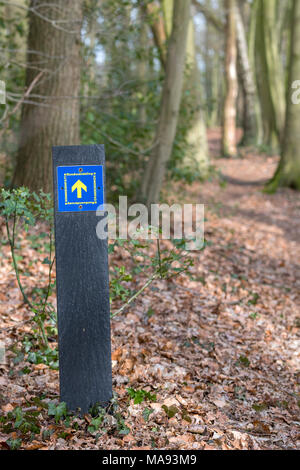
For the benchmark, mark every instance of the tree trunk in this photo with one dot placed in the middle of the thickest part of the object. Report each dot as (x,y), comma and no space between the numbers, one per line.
(288,172)
(250,126)
(142,70)
(229,114)
(53,119)
(151,10)
(168,6)
(270,77)
(171,97)
(252,57)
(197,158)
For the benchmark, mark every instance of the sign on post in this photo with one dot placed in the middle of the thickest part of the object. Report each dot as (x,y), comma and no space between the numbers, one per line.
(81,277)
(80,188)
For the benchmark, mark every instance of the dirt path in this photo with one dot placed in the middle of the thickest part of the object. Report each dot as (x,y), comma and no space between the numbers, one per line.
(221,349)
(225,347)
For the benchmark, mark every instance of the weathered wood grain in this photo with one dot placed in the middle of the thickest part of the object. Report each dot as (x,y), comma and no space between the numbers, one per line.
(82,295)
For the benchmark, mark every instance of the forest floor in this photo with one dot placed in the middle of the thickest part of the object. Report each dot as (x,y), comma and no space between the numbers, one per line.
(218,352)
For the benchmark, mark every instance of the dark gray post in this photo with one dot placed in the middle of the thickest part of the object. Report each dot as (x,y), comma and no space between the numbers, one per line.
(82,277)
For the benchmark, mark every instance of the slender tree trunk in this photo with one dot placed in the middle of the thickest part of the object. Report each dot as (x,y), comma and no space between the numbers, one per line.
(168,6)
(270,76)
(252,56)
(152,11)
(197,158)
(229,114)
(90,63)
(247,83)
(171,98)
(288,172)
(142,70)
(212,65)
(53,119)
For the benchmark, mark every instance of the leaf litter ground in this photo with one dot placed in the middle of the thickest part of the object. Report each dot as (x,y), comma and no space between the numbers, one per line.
(215,356)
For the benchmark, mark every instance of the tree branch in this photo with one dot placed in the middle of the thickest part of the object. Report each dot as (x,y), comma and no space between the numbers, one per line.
(153,14)
(210,16)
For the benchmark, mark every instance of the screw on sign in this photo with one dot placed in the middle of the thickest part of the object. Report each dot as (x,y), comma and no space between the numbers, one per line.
(80,186)
(81,277)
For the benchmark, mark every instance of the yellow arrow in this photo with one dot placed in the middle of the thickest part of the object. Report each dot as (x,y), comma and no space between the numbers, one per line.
(79,185)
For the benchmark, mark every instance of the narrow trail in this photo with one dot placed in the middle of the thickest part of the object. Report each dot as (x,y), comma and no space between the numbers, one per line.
(224,346)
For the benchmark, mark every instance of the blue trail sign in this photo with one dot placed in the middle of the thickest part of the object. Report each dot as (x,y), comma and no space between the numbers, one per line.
(80,188)
(81,277)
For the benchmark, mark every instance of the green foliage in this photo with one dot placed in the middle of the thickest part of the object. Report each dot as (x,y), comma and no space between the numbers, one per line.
(150,312)
(181,147)
(14,444)
(243,360)
(110,417)
(27,422)
(121,84)
(267,149)
(59,410)
(146,413)
(186,417)
(96,423)
(124,116)
(29,206)
(259,406)
(22,209)
(117,289)
(166,264)
(32,352)
(46,356)
(139,396)
(254,299)
(22,420)
(170,411)
(123,429)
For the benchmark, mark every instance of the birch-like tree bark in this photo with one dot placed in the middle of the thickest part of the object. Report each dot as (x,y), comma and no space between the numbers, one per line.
(142,70)
(197,158)
(229,147)
(250,125)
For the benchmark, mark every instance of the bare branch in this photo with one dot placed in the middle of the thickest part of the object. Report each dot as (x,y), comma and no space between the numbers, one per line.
(210,16)
(54,23)
(25,95)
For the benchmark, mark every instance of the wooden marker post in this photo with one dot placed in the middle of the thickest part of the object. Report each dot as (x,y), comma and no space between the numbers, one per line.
(81,277)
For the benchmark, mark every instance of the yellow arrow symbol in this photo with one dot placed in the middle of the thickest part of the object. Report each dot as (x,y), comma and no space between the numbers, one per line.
(79,185)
